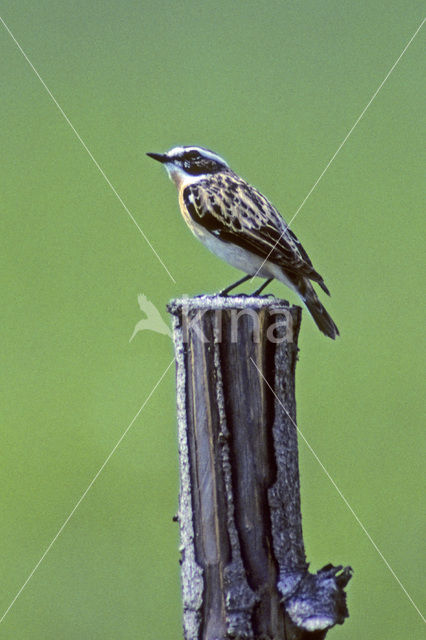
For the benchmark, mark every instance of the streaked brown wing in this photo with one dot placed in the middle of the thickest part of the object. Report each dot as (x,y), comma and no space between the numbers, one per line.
(235,212)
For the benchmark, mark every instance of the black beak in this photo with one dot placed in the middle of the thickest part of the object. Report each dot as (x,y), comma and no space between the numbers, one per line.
(161,157)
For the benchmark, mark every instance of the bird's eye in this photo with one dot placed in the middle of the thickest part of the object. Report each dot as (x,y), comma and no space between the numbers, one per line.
(192,156)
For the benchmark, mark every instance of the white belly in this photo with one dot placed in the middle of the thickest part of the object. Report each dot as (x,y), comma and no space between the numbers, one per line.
(238,257)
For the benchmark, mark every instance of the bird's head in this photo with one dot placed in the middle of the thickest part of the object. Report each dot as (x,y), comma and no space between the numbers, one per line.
(188,164)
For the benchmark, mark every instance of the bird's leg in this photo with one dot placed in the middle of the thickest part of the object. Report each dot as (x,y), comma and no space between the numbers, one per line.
(225,292)
(261,288)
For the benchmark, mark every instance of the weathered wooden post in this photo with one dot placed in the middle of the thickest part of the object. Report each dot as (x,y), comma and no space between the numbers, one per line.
(244,570)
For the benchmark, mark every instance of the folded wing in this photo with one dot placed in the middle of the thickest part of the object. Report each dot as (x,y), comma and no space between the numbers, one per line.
(237,213)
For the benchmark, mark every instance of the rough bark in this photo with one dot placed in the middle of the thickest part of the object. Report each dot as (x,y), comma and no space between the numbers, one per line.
(243,567)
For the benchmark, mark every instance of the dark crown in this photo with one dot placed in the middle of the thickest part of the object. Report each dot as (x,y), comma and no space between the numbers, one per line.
(193,160)
(197,161)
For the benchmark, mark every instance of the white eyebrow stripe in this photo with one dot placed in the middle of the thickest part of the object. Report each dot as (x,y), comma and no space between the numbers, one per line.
(177,151)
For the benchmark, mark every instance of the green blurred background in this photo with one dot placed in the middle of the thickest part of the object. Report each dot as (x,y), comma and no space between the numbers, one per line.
(273,87)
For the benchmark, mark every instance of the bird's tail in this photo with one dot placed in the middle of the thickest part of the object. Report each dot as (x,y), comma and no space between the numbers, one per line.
(317,310)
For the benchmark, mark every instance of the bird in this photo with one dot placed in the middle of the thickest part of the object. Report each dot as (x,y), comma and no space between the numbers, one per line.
(240,225)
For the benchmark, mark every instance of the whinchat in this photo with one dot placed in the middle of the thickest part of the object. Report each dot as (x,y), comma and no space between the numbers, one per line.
(237,223)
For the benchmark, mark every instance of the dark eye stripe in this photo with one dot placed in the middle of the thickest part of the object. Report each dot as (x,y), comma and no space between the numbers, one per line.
(201,165)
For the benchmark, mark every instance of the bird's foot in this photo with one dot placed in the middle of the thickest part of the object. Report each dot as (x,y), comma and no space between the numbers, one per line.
(267,295)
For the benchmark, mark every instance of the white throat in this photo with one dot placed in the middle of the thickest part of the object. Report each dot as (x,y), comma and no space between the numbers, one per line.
(180,177)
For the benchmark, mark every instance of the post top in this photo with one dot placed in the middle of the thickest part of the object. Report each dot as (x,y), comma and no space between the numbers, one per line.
(218,302)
